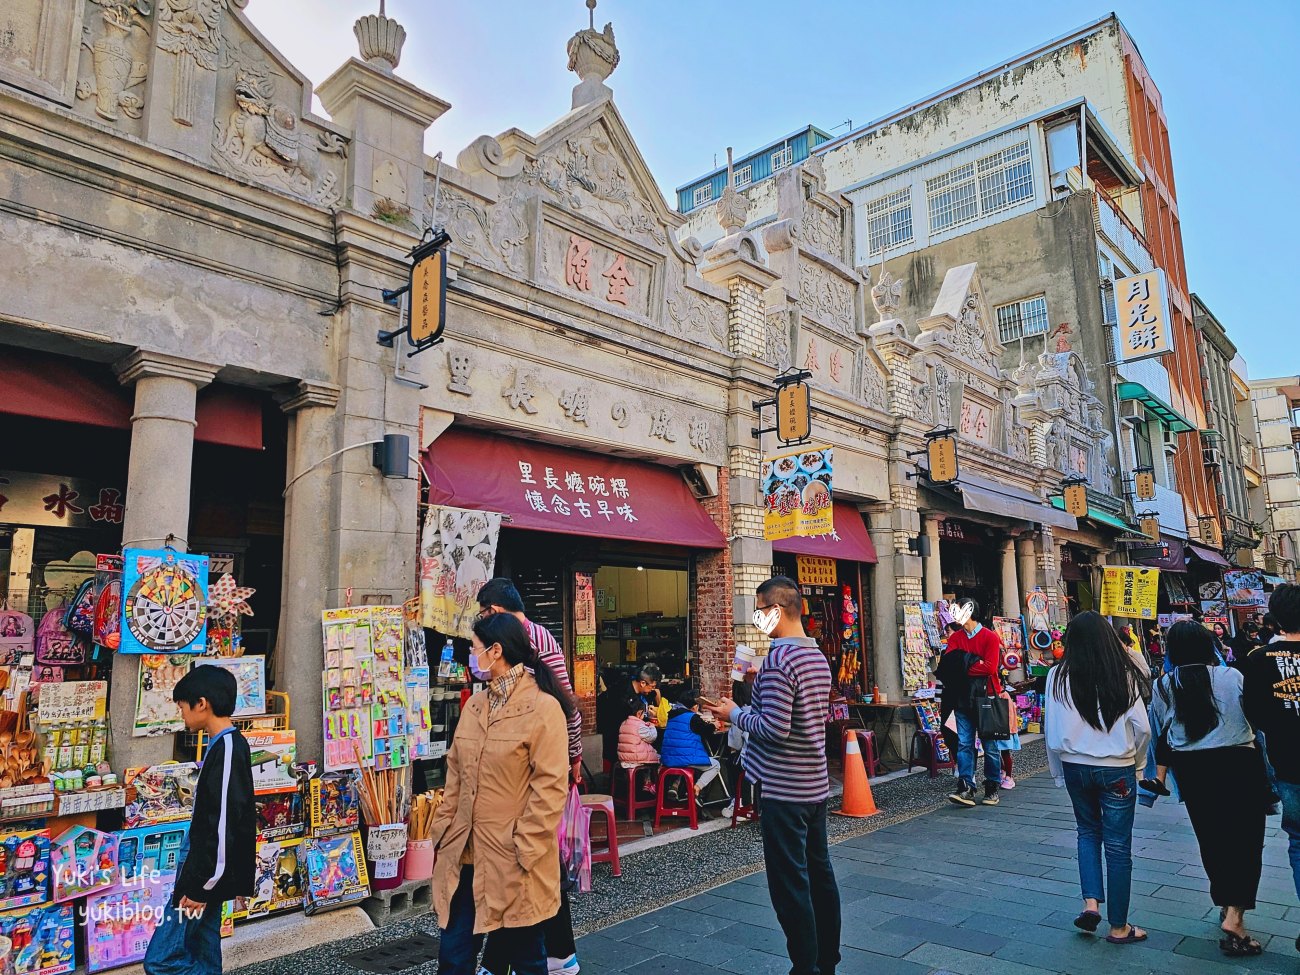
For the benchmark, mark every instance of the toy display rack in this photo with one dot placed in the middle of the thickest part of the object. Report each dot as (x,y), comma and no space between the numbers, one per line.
(275,719)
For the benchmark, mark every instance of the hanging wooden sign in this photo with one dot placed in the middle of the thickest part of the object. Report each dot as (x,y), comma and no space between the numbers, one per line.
(1076,500)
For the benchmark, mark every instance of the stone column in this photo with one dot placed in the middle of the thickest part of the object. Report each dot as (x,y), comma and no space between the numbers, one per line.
(1027,561)
(308,555)
(1010,587)
(933,565)
(157,507)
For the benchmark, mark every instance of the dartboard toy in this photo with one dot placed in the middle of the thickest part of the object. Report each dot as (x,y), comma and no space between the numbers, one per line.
(165,602)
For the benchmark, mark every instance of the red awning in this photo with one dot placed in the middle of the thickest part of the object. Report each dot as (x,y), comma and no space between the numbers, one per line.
(1208,555)
(55,387)
(573,492)
(849,541)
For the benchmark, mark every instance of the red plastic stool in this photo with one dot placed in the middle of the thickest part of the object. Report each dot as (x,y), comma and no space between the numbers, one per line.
(632,805)
(867,743)
(924,753)
(739,809)
(604,805)
(666,807)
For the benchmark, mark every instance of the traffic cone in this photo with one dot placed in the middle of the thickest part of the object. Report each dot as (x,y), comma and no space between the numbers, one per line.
(858,801)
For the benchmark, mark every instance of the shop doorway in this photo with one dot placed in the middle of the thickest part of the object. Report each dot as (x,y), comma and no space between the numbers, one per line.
(971,565)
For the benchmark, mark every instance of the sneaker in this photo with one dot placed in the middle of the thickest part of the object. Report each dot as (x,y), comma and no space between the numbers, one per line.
(991,797)
(564,966)
(964,796)
(1007,782)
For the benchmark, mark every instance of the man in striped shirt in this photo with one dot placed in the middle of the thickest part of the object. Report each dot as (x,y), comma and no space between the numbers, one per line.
(500,596)
(786,754)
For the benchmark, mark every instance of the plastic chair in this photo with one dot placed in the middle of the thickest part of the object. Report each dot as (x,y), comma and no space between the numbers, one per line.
(740,810)
(867,743)
(684,808)
(924,753)
(604,805)
(632,805)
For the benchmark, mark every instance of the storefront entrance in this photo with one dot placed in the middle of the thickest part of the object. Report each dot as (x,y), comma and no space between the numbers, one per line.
(971,563)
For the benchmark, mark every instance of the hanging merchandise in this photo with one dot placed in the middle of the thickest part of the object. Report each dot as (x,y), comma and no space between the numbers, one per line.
(348,685)
(1011,632)
(851,646)
(457,556)
(250,681)
(25,872)
(80,617)
(227,603)
(389,745)
(17,636)
(273,754)
(107,629)
(155,710)
(417,651)
(55,643)
(41,938)
(165,602)
(915,649)
(336,872)
(280,815)
(419,723)
(335,803)
(930,620)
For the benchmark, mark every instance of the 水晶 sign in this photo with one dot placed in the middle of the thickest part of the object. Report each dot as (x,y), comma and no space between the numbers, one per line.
(1145,329)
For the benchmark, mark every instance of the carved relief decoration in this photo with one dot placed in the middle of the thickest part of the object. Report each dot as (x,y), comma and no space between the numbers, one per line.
(922,393)
(943,394)
(662,426)
(822,230)
(520,393)
(266,140)
(461,366)
(826,296)
(875,388)
(697,432)
(494,241)
(778,341)
(576,403)
(887,295)
(619,414)
(191,30)
(971,339)
(116,66)
(692,315)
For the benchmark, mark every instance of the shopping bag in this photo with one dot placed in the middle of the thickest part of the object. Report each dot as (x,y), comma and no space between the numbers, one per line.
(994,719)
(575,844)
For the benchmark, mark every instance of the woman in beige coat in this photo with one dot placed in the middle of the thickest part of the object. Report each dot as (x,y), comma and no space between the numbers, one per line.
(498,868)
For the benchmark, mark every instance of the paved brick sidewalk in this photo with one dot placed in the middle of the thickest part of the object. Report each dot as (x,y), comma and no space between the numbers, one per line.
(988,891)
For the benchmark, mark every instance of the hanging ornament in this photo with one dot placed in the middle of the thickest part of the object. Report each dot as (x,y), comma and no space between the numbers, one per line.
(227,600)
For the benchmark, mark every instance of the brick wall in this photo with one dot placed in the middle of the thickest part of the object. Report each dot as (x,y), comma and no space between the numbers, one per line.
(712,641)
(745,319)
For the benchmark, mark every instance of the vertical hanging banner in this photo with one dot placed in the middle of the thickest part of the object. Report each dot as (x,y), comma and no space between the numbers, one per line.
(1145,329)
(1129,592)
(458,551)
(797,494)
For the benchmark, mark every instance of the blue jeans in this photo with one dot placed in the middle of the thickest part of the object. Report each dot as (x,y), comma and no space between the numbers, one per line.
(523,949)
(1105,800)
(966,735)
(182,945)
(1290,793)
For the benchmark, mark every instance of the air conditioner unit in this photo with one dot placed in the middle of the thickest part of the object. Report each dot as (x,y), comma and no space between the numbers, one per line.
(1169,441)
(1212,457)
(1132,412)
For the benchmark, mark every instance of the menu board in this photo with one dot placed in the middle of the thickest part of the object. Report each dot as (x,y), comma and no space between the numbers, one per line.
(916,649)
(584,605)
(72,702)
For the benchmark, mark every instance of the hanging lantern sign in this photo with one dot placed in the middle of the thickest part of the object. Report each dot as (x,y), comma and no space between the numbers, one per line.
(1145,482)
(1076,499)
(941,452)
(1150,527)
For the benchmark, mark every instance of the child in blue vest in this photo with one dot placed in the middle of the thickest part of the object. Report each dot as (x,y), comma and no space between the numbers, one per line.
(685,741)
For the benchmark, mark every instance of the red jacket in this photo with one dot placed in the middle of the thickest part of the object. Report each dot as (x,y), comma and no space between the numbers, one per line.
(986,645)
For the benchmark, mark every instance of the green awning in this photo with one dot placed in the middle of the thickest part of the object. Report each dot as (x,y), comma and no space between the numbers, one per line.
(1166,414)
(1101,517)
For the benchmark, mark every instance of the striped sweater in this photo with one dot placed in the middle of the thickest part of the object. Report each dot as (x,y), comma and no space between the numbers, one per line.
(549,653)
(786,723)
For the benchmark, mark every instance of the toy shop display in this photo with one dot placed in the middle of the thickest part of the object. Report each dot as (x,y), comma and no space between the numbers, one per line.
(335,803)
(250,678)
(278,881)
(107,624)
(227,602)
(17,636)
(24,868)
(144,851)
(389,744)
(164,602)
(120,922)
(273,754)
(55,643)
(73,716)
(915,649)
(347,685)
(160,793)
(851,647)
(155,711)
(927,718)
(336,872)
(280,815)
(83,861)
(42,939)
(419,715)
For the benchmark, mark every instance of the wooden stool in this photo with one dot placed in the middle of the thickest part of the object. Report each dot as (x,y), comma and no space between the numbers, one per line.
(633,806)
(686,808)
(596,803)
(739,809)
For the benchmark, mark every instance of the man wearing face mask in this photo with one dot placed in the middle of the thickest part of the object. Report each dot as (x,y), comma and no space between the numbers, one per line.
(786,754)
(983,648)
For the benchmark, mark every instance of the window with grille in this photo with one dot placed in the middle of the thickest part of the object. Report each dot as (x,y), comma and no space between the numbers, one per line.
(889,221)
(998,181)
(1022,318)
(782,158)
(744,176)
(703,194)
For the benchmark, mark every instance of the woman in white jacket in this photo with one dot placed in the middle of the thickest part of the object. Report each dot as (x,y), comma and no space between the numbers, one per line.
(1097,730)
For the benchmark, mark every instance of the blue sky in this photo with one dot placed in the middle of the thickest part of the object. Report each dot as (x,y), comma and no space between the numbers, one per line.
(699,75)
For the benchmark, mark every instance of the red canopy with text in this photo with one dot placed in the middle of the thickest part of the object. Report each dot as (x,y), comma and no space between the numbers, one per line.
(554,489)
(849,540)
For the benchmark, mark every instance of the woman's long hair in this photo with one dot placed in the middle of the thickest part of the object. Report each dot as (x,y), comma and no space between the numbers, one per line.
(1104,681)
(1191,652)
(505,629)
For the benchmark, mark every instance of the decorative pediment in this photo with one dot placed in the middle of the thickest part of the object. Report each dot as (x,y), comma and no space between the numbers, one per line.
(1056,395)
(960,323)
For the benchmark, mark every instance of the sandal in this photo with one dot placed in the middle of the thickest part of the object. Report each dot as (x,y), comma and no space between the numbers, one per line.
(1154,786)
(1240,946)
(1135,934)
(1088,921)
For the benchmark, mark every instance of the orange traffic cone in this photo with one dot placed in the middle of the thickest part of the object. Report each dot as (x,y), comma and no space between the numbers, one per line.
(858,801)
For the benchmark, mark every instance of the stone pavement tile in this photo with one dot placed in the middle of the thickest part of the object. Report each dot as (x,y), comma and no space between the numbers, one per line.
(1149,871)
(1259,924)
(1139,885)
(861,854)
(969,963)
(884,904)
(1044,901)
(1261,910)
(1086,957)
(668,965)
(770,940)
(746,894)
(738,912)
(692,922)
(601,954)
(1028,932)
(855,962)
(714,897)
(1208,953)
(1155,923)
(943,934)
(706,951)
(748,962)
(1005,908)
(625,929)
(872,939)
(1292,914)
(1180,895)
(890,886)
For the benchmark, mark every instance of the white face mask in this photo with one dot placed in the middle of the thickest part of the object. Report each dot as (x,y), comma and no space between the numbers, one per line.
(961,613)
(766,619)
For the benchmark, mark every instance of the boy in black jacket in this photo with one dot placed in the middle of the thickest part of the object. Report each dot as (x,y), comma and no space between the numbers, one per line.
(217,858)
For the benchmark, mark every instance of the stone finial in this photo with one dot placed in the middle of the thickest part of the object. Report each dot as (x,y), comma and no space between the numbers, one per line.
(381,39)
(887,295)
(593,57)
(733,208)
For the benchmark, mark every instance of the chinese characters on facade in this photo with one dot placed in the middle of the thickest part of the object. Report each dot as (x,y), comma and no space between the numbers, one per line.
(577,271)
(571,494)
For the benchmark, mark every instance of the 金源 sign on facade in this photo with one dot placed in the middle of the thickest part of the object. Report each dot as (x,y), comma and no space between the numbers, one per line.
(1145,329)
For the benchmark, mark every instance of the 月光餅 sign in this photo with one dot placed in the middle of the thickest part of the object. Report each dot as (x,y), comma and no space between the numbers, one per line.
(1142,307)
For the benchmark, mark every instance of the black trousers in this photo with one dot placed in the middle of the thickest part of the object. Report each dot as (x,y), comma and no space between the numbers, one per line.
(1223,789)
(558,932)
(801,883)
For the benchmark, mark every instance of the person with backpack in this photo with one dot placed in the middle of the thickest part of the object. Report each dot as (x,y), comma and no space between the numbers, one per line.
(1097,730)
(982,650)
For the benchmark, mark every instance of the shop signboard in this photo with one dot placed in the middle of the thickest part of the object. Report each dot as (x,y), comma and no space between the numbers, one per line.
(941,452)
(1145,329)
(1129,592)
(1150,527)
(1076,500)
(1211,532)
(793,413)
(584,677)
(797,494)
(1145,484)
(815,570)
(1245,589)
(55,501)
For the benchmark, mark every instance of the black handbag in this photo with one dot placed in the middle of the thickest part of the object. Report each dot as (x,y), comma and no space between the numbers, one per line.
(994,719)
